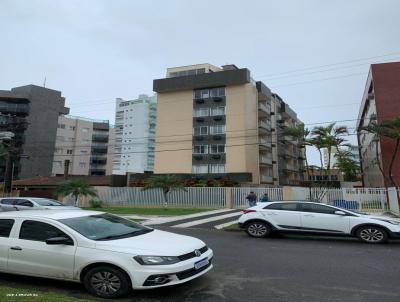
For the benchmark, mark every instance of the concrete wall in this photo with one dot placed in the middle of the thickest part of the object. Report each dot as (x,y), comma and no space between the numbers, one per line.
(174,132)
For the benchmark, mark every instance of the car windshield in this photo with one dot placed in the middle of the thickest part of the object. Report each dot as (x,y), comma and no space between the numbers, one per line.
(47,202)
(105,227)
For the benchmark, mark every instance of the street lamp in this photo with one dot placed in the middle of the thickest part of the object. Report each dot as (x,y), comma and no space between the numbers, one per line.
(6,139)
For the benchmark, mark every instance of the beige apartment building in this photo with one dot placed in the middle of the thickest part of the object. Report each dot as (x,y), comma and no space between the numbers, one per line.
(219,123)
(85,145)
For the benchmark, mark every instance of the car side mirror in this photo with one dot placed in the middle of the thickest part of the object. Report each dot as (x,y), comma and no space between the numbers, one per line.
(59,240)
(340,213)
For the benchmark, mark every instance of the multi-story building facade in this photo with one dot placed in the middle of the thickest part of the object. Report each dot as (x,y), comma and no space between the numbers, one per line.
(216,122)
(31,113)
(290,156)
(83,145)
(381,101)
(135,126)
(353,151)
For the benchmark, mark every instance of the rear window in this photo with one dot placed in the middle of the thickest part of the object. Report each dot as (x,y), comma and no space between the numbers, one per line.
(287,206)
(5,227)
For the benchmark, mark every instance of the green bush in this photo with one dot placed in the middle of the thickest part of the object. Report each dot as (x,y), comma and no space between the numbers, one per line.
(96,203)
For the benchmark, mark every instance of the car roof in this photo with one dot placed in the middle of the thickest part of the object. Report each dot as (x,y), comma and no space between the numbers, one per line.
(49,214)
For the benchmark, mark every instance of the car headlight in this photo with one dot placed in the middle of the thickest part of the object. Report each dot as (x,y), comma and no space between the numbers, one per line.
(156,260)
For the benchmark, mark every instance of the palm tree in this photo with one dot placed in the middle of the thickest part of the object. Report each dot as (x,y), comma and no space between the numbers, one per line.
(347,165)
(76,188)
(299,133)
(386,129)
(330,137)
(167,183)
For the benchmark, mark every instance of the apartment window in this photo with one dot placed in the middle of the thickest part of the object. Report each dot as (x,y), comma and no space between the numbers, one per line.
(84,151)
(201,112)
(82,165)
(220,91)
(85,141)
(217,168)
(215,149)
(57,163)
(69,151)
(61,126)
(218,129)
(218,111)
(201,93)
(200,149)
(85,129)
(72,128)
(58,150)
(202,130)
(199,169)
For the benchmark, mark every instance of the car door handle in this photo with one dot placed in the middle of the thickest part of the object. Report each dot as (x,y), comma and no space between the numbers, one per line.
(308,215)
(272,214)
(16,248)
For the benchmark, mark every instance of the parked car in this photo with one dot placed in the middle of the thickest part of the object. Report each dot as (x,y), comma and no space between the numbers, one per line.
(309,217)
(110,255)
(31,203)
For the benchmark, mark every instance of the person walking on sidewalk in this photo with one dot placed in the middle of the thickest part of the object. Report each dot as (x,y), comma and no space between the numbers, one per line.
(252,198)
(264,198)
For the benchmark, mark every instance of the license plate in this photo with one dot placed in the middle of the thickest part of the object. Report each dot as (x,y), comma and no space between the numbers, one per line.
(201,263)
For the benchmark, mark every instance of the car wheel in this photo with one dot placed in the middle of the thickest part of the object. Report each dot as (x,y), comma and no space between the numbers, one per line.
(372,234)
(258,229)
(107,282)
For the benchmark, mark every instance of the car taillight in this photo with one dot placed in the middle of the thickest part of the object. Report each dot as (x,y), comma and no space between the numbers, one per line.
(248,211)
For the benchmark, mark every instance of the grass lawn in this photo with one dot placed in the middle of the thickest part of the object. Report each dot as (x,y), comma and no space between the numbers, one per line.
(10,294)
(232,228)
(150,211)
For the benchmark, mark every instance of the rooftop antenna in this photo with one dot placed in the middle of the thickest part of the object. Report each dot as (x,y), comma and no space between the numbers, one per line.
(44,82)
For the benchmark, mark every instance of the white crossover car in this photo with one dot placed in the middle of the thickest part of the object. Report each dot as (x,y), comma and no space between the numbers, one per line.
(110,255)
(309,217)
(31,203)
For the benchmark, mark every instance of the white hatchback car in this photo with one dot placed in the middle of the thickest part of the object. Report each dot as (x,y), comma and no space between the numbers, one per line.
(309,217)
(110,255)
(31,203)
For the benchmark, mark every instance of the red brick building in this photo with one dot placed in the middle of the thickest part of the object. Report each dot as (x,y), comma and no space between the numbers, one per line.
(381,101)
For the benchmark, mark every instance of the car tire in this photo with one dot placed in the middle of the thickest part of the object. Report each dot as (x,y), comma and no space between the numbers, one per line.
(258,229)
(372,234)
(107,282)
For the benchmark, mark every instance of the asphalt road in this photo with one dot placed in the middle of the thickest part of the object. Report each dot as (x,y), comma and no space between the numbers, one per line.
(292,268)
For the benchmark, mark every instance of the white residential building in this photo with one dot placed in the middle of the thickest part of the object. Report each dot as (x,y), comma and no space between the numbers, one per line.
(135,126)
(84,144)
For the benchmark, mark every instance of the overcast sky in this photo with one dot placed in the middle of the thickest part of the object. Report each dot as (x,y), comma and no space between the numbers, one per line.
(315,54)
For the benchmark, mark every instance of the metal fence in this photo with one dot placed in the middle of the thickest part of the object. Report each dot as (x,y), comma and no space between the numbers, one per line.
(189,197)
(360,199)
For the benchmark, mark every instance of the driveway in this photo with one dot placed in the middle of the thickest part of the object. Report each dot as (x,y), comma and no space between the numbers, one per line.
(291,268)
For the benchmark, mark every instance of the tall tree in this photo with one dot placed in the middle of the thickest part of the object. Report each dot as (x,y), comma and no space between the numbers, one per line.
(167,183)
(76,188)
(331,138)
(389,129)
(347,165)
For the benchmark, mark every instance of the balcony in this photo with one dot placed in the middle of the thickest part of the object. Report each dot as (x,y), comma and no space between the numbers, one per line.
(100,138)
(97,172)
(264,143)
(14,108)
(99,148)
(266,179)
(98,160)
(263,110)
(265,160)
(264,127)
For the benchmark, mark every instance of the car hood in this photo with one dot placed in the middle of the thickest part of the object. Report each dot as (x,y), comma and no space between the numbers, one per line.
(380,217)
(60,208)
(157,243)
